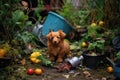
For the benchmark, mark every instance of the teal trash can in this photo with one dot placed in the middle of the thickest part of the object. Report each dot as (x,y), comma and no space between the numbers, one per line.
(55,22)
(117,70)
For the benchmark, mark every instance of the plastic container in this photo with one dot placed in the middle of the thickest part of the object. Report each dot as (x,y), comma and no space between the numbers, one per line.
(55,22)
(117,71)
(93,62)
(116,42)
(116,67)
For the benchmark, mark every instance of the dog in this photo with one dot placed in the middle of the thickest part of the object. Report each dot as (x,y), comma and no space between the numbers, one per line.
(58,48)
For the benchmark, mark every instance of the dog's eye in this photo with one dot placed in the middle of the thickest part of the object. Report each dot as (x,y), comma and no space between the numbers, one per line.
(51,37)
(58,36)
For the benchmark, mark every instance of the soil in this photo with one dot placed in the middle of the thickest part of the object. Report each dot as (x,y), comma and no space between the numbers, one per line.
(53,74)
(50,73)
(74,74)
(77,73)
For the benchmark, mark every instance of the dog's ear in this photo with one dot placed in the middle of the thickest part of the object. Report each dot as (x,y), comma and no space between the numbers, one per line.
(62,34)
(49,36)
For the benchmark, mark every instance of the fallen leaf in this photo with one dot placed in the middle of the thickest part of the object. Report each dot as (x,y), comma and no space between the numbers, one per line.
(23,61)
(66,76)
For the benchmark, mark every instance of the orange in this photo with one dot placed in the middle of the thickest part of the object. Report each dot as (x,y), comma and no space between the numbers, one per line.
(38,71)
(2,53)
(110,69)
(84,44)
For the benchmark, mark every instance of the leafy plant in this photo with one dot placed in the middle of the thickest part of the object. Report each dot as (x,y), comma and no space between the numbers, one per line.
(12,19)
(96,8)
(92,33)
(94,38)
(19,20)
(83,15)
(66,11)
(26,37)
(78,17)
(118,55)
(97,46)
(45,61)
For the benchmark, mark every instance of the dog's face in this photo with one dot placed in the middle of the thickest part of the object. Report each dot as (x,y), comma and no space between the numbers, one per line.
(56,37)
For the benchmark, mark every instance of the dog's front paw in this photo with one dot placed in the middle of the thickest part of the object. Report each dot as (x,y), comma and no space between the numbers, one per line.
(59,60)
(69,56)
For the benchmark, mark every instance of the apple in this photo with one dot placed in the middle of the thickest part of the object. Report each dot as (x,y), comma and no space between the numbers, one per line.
(30,71)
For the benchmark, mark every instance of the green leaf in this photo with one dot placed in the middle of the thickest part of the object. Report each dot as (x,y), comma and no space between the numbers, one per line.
(19,15)
(7,5)
(28,23)
(118,55)
(18,23)
(68,1)
(45,61)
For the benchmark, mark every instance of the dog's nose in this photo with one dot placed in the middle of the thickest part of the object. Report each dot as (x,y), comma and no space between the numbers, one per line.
(55,42)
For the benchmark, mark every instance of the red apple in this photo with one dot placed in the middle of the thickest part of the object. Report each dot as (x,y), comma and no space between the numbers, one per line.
(30,71)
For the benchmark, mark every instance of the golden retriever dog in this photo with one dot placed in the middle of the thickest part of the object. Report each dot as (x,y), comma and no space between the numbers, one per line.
(58,48)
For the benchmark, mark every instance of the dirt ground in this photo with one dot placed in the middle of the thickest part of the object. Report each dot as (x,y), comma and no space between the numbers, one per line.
(74,74)
(52,74)
(49,73)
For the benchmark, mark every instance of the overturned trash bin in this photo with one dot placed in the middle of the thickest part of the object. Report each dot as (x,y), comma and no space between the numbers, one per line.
(54,22)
